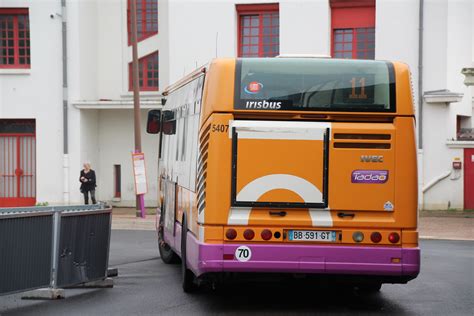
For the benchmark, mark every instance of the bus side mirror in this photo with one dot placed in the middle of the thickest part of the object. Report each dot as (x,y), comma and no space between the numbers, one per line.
(169,123)
(163,101)
(153,124)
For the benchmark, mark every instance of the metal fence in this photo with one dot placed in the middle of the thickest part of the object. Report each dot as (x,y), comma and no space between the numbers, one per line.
(53,247)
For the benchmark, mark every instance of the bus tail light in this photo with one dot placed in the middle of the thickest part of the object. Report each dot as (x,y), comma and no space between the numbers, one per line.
(376,237)
(249,234)
(358,236)
(231,234)
(394,238)
(266,234)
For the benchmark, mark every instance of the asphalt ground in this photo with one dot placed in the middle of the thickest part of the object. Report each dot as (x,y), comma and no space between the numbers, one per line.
(146,286)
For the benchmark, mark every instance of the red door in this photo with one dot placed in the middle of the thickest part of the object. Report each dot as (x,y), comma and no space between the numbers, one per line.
(17,170)
(469,178)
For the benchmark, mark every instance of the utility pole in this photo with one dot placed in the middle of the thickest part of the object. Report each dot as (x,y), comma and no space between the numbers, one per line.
(140,207)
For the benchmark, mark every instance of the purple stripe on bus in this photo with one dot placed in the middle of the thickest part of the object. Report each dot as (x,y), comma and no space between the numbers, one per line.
(331,259)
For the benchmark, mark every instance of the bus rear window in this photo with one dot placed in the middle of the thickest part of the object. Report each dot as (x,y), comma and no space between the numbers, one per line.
(314,84)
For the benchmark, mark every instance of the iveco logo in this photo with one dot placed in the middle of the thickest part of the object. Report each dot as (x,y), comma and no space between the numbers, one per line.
(367,158)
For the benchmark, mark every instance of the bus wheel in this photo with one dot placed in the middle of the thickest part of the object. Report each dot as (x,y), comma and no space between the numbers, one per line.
(167,254)
(186,274)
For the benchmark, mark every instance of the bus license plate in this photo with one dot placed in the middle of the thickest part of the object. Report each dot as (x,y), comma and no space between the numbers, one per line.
(311,235)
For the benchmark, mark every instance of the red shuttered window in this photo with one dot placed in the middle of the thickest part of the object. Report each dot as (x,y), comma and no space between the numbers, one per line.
(117,181)
(14,38)
(148,73)
(147,19)
(353,29)
(259,30)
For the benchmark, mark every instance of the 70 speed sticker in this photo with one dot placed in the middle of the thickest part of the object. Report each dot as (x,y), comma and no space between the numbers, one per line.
(243,253)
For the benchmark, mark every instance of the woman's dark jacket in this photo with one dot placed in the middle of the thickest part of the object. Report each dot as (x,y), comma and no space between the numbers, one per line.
(90,184)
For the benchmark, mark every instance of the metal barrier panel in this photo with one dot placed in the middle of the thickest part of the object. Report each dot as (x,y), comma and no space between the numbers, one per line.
(25,251)
(53,246)
(84,243)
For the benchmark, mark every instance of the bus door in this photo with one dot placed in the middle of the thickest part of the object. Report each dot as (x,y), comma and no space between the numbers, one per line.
(280,164)
(17,163)
(169,189)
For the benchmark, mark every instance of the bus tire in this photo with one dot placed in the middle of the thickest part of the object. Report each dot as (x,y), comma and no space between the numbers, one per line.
(186,274)
(167,254)
(370,288)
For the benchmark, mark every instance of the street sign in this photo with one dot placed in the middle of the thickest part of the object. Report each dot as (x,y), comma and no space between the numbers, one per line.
(139,172)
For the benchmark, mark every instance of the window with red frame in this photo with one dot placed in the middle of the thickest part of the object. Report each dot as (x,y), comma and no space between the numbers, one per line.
(259,30)
(14,38)
(117,181)
(148,73)
(353,29)
(147,19)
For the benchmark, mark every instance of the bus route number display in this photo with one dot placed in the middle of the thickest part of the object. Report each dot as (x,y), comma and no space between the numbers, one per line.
(359,90)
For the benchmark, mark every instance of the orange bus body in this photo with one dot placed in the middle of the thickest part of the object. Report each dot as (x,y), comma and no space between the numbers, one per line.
(275,174)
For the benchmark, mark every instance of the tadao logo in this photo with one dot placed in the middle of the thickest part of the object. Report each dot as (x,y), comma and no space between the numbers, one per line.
(369,176)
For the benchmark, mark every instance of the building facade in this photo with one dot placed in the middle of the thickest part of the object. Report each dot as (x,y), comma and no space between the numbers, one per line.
(65,97)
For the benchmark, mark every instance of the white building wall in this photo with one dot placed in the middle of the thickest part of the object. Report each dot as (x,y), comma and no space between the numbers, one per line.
(398,41)
(435,46)
(434,163)
(82,84)
(198,32)
(202,30)
(87,43)
(36,93)
(459,49)
(448,41)
(111,29)
(309,32)
(90,144)
(115,136)
(105,134)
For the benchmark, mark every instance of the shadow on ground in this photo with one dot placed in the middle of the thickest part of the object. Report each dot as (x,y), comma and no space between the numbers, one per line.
(146,286)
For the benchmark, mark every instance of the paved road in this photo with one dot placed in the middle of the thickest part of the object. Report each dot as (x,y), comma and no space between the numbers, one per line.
(147,286)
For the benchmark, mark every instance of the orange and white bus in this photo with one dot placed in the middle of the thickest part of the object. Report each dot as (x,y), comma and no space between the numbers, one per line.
(289,165)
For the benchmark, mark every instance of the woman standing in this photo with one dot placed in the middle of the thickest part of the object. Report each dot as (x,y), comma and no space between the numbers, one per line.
(88,183)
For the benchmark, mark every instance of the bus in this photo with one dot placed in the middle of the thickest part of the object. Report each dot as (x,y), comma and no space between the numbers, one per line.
(298,166)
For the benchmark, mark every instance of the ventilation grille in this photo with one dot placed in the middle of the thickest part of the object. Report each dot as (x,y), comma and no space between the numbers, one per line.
(362,145)
(362,136)
(202,169)
(351,140)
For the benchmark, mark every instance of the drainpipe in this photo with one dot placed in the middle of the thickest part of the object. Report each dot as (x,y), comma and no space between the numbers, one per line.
(65,106)
(420,103)
(420,75)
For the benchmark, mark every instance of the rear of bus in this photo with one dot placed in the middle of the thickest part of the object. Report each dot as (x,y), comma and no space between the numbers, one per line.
(307,166)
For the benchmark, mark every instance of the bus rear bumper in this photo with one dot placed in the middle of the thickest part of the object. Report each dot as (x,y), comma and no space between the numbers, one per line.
(317,259)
